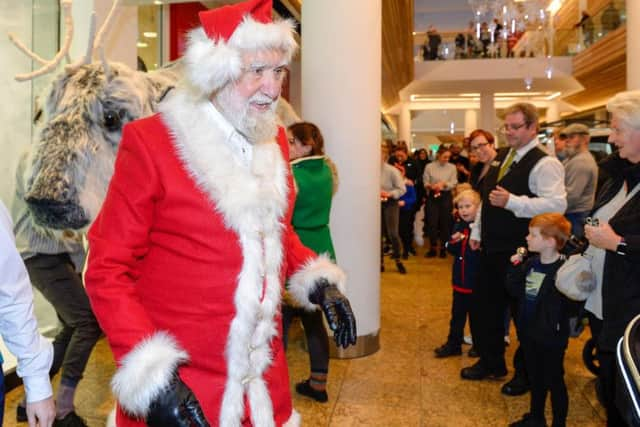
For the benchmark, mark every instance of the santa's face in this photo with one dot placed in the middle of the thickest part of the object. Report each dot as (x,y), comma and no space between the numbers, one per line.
(249,103)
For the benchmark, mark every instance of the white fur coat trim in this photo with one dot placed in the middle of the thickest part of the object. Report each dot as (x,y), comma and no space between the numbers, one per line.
(210,64)
(252,202)
(145,371)
(303,281)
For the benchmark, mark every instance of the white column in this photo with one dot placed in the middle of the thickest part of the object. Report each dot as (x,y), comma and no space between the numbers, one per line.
(470,121)
(341,43)
(404,124)
(553,112)
(487,112)
(633,45)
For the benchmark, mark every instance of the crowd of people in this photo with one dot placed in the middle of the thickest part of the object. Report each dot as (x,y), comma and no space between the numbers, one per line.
(499,204)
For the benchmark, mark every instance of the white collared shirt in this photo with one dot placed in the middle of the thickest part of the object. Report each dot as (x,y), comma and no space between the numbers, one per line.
(546,181)
(241,148)
(17,322)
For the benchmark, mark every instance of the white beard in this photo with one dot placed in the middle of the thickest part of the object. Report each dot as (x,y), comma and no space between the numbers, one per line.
(256,127)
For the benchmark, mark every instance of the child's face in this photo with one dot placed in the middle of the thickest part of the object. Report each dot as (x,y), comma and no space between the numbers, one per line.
(536,242)
(467,209)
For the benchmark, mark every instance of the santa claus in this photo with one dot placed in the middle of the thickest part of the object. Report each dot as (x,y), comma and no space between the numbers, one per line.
(190,251)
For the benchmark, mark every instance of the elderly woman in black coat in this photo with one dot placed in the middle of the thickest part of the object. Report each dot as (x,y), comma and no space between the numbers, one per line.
(616,261)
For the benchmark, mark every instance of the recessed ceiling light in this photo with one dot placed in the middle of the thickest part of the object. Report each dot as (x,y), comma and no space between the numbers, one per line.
(142,44)
(150,34)
(158,2)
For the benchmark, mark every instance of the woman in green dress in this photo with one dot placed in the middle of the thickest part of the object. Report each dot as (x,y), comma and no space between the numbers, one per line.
(316,181)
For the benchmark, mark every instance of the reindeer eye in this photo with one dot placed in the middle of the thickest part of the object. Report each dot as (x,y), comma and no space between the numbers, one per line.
(112,121)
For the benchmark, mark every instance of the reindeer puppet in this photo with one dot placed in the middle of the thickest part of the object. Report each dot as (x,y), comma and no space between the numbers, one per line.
(71,163)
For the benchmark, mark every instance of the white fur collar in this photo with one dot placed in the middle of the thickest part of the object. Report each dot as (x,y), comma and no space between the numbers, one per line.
(252,202)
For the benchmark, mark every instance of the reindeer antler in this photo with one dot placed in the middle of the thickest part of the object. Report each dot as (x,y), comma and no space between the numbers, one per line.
(105,25)
(47,66)
(95,42)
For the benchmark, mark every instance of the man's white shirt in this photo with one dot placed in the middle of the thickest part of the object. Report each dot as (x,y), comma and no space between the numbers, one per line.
(546,181)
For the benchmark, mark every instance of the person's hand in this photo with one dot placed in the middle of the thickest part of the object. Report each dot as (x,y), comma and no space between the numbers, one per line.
(499,197)
(176,406)
(384,194)
(474,244)
(456,237)
(337,310)
(41,413)
(401,203)
(602,236)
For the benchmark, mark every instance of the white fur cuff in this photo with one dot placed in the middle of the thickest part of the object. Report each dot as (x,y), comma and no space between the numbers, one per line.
(303,282)
(295,420)
(145,371)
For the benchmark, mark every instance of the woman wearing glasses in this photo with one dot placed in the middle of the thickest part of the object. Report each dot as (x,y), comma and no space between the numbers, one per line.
(482,145)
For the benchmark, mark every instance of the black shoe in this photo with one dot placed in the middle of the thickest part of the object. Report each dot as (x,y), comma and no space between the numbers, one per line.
(443,253)
(473,352)
(431,254)
(70,420)
(412,251)
(305,389)
(478,372)
(405,256)
(21,414)
(401,268)
(516,387)
(447,350)
(527,420)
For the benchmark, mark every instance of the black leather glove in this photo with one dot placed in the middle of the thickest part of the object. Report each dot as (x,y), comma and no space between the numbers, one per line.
(337,310)
(176,406)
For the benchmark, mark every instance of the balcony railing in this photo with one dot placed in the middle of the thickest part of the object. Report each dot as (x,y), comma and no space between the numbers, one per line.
(533,42)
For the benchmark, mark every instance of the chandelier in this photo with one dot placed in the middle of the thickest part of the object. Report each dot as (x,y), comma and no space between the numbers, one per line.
(499,20)
(513,16)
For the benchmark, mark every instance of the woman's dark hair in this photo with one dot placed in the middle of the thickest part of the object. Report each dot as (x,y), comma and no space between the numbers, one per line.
(309,134)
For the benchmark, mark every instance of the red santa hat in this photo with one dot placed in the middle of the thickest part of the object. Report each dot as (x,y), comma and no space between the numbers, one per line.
(213,56)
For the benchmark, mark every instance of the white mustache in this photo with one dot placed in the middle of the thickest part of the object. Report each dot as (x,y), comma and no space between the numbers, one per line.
(262,99)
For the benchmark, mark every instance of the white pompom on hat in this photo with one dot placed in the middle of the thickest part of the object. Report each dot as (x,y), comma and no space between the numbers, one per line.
(213,56)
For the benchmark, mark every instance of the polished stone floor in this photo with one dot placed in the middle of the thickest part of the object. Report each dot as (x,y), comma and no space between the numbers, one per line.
(403,384)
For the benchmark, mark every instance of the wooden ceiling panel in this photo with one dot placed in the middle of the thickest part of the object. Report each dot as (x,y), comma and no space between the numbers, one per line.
(397,49)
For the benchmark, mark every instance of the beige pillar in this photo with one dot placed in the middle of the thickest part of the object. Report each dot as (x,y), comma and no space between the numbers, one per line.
(119,42)
(404,124)
(341,56)
(553,112)
(470,121)
(633,45)
(487,112)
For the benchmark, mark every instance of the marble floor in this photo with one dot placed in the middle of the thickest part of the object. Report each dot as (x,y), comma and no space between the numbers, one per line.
(403,384)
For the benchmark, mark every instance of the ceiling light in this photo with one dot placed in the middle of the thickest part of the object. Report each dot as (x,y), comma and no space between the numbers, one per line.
(150,34)
(142,44)
(157,2)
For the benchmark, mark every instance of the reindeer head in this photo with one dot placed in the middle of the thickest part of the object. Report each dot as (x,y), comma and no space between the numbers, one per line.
(86,108)
(71,163)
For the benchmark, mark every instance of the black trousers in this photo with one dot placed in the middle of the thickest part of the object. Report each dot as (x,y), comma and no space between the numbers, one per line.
(439,218)
(460,308)
(607,378)
(406,229)
(489,302)
(545,364)
(315,333)
(390,224)
(55,277)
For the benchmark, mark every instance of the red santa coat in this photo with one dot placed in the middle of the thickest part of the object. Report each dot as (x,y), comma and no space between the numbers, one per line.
(186,265)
